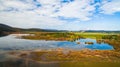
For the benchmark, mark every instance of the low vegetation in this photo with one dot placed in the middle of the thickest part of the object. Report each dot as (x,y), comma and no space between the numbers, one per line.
(113,40)
(73,55)
(110,38)
(57,36)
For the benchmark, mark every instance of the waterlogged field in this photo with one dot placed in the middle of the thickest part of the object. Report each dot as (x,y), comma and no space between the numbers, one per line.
(61,57)
(110,38)
(57,36)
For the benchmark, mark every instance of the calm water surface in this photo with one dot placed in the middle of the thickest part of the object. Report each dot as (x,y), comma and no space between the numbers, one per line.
(10,42)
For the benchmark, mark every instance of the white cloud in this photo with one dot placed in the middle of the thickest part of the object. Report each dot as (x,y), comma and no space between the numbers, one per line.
(45,13)
(77,9)
(48,2)
(15,4)
(110,7)
(29,19)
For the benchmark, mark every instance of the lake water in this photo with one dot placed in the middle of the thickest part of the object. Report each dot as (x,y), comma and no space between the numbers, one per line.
(10,42)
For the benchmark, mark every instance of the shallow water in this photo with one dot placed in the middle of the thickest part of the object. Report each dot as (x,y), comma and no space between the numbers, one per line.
(11,42)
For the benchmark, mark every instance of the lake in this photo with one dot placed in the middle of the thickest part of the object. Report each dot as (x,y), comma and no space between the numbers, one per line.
(11,42)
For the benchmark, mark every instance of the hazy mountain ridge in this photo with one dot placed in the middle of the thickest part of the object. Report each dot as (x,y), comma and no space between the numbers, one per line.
(4,27)
(7,28)
(104,31)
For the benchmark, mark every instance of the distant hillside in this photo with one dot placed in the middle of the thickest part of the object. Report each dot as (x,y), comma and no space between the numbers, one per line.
(102,31)
(6,29)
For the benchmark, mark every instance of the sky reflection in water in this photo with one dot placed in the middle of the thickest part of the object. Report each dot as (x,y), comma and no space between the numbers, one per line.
(10,42)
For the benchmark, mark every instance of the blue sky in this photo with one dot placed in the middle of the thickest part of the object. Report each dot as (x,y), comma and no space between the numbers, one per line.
(61,14)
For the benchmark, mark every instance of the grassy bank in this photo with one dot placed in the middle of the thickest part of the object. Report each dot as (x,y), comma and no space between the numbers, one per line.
(89,64)
(73,55)
(57,36)
(71,58)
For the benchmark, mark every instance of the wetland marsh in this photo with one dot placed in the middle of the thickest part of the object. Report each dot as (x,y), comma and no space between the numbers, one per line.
(63,50)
